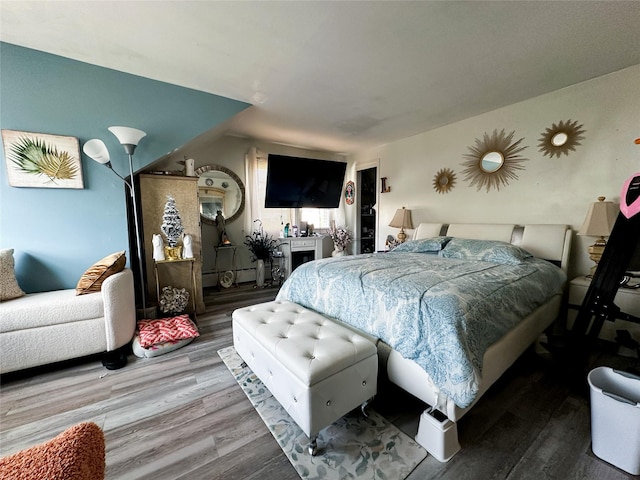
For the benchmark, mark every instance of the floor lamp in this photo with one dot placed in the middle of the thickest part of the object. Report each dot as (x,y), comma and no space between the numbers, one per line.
(97,150)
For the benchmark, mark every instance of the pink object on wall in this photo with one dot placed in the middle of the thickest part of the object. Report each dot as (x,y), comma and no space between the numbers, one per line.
(630,196)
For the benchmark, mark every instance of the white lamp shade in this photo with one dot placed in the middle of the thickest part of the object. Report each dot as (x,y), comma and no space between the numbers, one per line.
(127,135)
(402,219)
(97,150)
(600,219)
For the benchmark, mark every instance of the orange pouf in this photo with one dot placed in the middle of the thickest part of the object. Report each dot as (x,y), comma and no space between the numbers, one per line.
(78,453)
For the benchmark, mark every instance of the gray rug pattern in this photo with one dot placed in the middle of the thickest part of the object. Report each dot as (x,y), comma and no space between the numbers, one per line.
(354,447)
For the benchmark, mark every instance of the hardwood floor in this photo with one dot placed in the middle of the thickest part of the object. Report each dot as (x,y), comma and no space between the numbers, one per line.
(182,415)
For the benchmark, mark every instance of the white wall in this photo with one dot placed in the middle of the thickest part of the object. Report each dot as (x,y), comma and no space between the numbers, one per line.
(230,152)
(548,190)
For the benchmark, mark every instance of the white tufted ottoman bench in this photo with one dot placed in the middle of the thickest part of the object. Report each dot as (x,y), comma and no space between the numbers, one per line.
(317,370)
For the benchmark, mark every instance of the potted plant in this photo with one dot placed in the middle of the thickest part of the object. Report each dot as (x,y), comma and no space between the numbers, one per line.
(261,246)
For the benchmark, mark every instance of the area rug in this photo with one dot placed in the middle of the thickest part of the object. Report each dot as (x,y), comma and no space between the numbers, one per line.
(353,447)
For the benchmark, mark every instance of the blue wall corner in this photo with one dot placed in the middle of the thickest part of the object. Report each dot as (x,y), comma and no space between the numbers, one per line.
(58,233)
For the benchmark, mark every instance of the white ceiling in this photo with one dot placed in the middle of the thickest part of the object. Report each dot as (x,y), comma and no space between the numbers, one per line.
(341,76)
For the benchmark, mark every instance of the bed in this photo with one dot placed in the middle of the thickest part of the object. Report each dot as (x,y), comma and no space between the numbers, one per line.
(449,310)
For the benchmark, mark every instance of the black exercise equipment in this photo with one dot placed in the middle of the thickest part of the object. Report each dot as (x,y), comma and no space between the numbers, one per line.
(598,305)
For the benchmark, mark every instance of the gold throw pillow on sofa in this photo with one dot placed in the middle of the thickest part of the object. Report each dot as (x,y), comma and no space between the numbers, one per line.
(91,280)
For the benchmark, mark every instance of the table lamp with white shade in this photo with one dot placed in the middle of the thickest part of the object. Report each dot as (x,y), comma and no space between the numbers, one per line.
(402,220)
(599,222)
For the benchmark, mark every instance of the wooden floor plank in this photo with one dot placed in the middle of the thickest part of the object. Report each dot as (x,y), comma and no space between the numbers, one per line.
(182,415)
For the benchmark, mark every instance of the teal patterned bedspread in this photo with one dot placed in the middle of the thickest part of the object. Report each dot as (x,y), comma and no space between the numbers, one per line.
(442,313)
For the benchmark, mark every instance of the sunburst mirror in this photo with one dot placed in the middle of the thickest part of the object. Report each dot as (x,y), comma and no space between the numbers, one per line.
(444,180)
(561,138)
(493,160)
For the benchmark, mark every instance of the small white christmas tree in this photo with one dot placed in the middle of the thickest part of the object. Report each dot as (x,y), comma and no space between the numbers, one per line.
(171,222)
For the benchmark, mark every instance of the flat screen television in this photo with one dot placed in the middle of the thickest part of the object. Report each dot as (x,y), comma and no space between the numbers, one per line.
(296,182)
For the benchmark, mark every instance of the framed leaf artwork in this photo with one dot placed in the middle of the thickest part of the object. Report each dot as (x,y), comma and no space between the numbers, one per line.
(40,160)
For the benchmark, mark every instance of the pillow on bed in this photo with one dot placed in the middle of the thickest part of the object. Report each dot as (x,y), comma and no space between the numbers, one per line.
(486,250)
(424,245)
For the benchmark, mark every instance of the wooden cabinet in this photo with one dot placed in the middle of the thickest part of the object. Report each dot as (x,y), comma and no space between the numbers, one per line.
(154,190)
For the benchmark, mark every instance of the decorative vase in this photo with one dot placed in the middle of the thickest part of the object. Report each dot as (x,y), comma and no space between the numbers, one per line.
(189,165)
(260,273)
(173,253)
(187,243)
(338,251)
(158,248)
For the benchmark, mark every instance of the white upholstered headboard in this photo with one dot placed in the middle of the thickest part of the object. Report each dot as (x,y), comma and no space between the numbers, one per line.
(551,242)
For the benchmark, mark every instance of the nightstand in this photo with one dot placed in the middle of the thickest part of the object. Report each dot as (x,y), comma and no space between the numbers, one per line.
(627,299)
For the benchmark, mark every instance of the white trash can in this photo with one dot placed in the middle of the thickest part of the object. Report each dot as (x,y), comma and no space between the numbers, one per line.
(615,417)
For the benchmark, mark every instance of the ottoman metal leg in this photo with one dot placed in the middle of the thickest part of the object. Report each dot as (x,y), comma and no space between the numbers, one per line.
(313,446)
(364,406)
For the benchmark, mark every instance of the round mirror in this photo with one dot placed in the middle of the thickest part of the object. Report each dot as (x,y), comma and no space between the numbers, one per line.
(491,162)
(220,190)
(444,180)
(559,139)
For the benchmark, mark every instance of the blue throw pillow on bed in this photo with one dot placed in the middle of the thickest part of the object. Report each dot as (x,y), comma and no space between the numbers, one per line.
(424,245)
(485,250)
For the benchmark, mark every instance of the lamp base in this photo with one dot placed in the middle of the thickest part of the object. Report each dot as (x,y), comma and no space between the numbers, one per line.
(596,250)
(595,253)
(402,237)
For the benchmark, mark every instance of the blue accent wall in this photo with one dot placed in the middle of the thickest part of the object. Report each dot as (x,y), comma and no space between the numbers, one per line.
(58,233)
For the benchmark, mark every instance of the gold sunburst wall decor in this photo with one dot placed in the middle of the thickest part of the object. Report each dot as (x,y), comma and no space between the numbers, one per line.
(560,138)
(494,160)
(444,180)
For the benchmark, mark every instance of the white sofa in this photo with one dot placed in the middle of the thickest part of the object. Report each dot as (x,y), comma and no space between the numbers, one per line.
(42,328)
